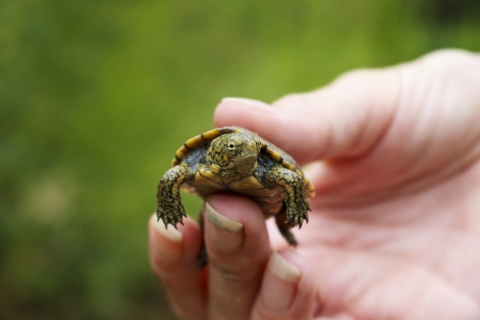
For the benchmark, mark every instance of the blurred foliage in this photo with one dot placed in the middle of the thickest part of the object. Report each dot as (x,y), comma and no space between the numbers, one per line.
(95,97)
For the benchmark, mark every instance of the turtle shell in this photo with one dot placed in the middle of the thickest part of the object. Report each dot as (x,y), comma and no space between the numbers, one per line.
(194,153)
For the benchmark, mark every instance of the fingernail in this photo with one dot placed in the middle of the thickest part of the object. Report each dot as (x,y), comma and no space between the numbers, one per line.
(226,235)
(166,247)
(222,221)
(170,233)
(283,269)
(279,288)
(245,101)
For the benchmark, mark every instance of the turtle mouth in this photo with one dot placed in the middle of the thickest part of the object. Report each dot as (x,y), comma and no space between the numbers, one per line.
(244,159)
(236,167)
(246,163)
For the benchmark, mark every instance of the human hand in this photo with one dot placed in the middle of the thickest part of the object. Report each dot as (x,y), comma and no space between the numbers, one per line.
(395,226)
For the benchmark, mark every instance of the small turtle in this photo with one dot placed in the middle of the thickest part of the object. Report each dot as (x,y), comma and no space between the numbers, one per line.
(236,160)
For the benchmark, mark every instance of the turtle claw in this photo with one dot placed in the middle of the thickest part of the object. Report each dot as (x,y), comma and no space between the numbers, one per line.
(171,214)
(296,216)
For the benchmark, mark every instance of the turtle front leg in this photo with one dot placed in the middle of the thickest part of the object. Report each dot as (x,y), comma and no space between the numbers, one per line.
(170,208)
(295,198)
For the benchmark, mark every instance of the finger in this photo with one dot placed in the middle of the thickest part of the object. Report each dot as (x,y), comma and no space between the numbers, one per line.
(173,256)
(342,120)
(238,250)
(288,289)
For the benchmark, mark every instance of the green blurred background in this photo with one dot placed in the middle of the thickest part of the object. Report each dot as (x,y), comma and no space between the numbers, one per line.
(95,97)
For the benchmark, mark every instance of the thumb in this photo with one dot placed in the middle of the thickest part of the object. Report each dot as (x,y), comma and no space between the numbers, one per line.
(342,120)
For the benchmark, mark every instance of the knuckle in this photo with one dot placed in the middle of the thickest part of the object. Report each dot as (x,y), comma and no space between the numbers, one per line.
(233,275)
(237,269)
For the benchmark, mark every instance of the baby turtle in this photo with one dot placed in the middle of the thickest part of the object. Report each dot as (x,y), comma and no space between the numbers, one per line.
(236,160)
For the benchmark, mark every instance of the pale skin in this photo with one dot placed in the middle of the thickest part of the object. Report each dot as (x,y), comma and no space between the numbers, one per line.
(394,231)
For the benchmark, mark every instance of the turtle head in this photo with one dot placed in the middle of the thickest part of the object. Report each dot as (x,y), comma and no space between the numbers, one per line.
(234,154)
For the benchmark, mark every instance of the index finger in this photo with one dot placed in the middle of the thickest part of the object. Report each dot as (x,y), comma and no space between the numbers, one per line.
(342,120)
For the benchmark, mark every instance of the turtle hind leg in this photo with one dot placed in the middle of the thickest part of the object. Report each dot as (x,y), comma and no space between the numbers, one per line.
(202,260)
(284,226)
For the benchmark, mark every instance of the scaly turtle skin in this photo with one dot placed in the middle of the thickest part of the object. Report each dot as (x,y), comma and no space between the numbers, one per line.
(236,160)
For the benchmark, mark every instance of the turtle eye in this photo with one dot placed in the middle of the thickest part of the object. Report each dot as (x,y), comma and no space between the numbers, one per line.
(231,146)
